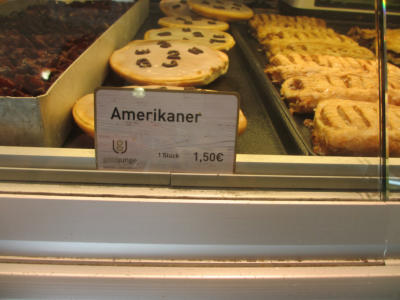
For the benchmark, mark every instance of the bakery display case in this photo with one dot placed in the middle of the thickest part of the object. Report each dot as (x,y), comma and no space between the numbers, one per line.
(311,206)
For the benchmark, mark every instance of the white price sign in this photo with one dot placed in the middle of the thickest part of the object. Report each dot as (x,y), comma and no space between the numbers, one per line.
(166,130)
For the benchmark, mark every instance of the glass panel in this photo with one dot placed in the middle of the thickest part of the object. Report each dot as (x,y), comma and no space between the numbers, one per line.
(300,52)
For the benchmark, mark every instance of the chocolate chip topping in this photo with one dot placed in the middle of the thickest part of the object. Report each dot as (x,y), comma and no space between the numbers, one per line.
(219,6)
(187,22)
(198,34)
(143,63)
(141,52)
(195,50)
(186,29)
(205,2)
(212,22)
(176,6)
(219,36)
(172,64)
(164,44)
(183,1)
(216,41)
(164,33)
(173,54)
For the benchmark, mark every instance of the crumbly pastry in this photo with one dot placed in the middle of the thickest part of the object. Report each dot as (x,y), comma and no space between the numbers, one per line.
(83,111)
(284,66)
(216,39)
(175,8)
(193,22)
(181,63)
(225,10)
(345,127)
(304,93)
(322,49)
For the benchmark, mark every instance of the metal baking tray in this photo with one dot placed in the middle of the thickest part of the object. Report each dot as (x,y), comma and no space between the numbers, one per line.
(277,108)
(46,120)
(264,134)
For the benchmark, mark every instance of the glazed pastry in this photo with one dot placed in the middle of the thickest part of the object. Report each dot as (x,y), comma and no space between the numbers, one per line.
(282,67)
(367,37)
(269,20)
(304,93)
(181,63)
(322,49)
(345,127)
(286,37)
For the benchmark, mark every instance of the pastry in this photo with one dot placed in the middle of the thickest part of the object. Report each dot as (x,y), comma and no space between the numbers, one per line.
(83,111)
(322,49)
(193,22)
(225,10)
(285,38)
(271,20)
(216,39)
(175,8)
(367,37)
(282,67)
(304,93)
(345,127)
(182,63)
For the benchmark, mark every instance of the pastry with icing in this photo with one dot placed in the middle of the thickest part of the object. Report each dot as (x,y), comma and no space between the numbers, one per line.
(216,39)
(193,22)
(226,10)
(181,63)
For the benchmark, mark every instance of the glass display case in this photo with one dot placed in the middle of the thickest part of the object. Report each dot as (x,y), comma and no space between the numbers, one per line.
(309,207)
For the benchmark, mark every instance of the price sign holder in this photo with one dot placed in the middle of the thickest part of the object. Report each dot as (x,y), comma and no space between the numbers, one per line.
(166,130)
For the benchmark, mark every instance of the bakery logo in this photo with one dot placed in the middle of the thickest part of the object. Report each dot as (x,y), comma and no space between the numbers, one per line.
(120,146)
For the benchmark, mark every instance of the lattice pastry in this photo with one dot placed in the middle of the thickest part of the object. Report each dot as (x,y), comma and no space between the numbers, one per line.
(367,38)
(285,38)
(322,49)
(268,20)
(345,127)
(304,93)
(282,66)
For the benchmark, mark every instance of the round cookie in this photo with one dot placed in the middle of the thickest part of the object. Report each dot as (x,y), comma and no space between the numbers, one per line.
(226,10)
(216,39)
(181,63)
(175,8)
(193,22)
(83,111)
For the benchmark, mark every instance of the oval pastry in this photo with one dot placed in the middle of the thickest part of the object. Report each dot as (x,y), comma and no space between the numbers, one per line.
(225,10)
(216,39)
(193,22)
(180,63)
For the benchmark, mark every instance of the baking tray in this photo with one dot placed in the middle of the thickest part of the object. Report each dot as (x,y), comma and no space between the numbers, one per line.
(46,120)
(278,111)
(264,135)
